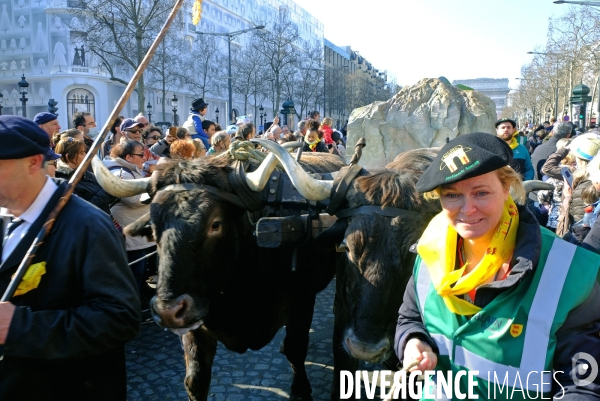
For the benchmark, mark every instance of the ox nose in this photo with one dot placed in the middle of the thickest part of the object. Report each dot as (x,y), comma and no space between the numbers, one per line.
(171,313)
(369,352)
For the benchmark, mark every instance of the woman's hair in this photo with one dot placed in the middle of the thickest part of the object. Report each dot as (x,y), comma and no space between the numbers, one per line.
(589,195)
(245,130)
(181,133)
(124,149)
(117,123)
(327,121)
(509,179)
(582,171)
(312,125)
(150,129)
(313,114)
(182,149)
(199,145)
(69,149)
(70,133)
(218,138)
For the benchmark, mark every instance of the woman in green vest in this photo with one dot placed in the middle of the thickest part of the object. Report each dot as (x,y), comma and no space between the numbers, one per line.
(496,299)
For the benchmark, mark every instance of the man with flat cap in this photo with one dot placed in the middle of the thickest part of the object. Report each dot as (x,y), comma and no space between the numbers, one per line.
(65,328)
(505,130)
(48,122)
(194,122)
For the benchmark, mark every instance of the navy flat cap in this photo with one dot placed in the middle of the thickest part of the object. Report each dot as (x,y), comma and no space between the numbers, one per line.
(43,118)
(23,138)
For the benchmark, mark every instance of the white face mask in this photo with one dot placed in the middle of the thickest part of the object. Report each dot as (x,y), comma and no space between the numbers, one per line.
(93,132)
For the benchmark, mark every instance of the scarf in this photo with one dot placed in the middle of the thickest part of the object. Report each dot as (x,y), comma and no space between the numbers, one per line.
(513,142)
(437,248)
(311,145)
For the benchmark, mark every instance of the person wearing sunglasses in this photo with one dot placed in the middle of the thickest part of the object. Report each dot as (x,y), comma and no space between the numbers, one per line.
(142,120)
(151,135)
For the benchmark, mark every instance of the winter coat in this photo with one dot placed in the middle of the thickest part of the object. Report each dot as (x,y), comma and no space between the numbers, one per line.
(579,333)
(66,338)
(130,209)
(87,188)
(541,154)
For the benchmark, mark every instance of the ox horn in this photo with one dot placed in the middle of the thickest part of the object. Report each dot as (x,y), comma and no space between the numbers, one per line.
(116,186)
(536,185)
(258,179)
(308,187)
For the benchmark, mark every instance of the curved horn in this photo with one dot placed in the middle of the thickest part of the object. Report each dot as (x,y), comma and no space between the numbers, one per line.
(535,185)
(257,179)
(116,186)
(309,187)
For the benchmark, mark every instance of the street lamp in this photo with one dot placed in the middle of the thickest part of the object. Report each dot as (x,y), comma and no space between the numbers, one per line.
(230,36)
(217,114)
(555,89)
(174,101)
(23,85)
(149,112)
(261,109)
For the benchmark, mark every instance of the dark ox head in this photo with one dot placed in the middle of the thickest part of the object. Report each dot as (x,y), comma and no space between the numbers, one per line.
(199,238)
(372,275)
(377,263)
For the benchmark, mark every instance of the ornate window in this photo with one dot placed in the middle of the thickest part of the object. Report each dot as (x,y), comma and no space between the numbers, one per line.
(80,100)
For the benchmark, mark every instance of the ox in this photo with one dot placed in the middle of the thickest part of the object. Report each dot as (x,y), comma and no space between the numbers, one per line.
(377,262)
(214,282)
(372,272)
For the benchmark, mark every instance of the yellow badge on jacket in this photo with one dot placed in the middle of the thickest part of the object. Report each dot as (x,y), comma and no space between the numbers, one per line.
(516,330)
(31,279)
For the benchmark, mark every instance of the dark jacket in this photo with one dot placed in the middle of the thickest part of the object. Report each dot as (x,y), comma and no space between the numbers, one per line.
(541,153)
(162,148)
(320,148)
(66,338)
(87,188)
(579,333)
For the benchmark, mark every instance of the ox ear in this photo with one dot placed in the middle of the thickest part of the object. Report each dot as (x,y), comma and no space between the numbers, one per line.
(140,228)
(331,237)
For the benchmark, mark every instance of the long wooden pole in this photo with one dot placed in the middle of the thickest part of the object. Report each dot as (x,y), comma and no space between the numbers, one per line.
(39,240)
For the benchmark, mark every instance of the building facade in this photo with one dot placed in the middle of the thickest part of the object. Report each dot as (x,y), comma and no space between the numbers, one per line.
(495,89)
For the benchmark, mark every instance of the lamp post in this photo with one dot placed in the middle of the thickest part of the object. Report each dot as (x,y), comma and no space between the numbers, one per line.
(230,36)
(174,101)
(23,85)
(555,89)
(324,71)
(261,109)
(217,114)
(149,112)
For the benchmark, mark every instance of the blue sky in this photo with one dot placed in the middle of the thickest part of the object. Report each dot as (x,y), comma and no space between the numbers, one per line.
(459,39)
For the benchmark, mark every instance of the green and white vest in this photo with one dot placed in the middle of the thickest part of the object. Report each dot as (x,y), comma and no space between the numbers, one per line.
(515,334)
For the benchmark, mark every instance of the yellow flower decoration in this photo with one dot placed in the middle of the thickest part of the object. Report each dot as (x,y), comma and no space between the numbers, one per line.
(196,12)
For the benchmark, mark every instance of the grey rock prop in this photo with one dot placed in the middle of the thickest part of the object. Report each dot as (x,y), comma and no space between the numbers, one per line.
(418,116)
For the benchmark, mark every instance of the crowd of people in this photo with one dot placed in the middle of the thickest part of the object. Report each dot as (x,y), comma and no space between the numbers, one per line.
(97,302)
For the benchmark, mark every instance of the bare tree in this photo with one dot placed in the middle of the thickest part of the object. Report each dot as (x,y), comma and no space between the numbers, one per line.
(204,73)
(123,30)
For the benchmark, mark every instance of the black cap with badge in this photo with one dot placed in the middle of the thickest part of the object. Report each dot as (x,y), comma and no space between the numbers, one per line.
(466,156)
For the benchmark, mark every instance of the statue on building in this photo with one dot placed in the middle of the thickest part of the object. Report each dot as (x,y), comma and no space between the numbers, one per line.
(21,3)
(13,44)
(23,65)
(40,39)
(58,23)
(41,65)
(82,56)
(4,66)
(42,94)
(22,44)
(13,66)
(75,24)
(22,20)
(4,19)
(3,45)
(14,95)
(20,113)
(59,55)
(76,57)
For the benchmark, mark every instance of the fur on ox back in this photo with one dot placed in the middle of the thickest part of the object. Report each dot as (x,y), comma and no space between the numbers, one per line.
(395,186)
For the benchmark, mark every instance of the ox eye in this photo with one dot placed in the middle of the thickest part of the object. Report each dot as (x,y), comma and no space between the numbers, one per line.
(215,225)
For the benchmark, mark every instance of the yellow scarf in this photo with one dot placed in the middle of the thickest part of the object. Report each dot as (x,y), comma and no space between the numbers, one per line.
(311,145)
(513,143)
(437,248)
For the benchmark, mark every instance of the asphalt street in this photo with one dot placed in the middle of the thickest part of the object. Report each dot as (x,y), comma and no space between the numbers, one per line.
(156,368)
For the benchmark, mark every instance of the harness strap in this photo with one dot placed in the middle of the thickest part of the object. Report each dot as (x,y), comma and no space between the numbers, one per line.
(339,193)
(237,178)
(188,186)
(386,212)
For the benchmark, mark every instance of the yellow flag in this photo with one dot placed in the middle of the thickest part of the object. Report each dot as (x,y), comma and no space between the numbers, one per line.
(31,279)
(196,12)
